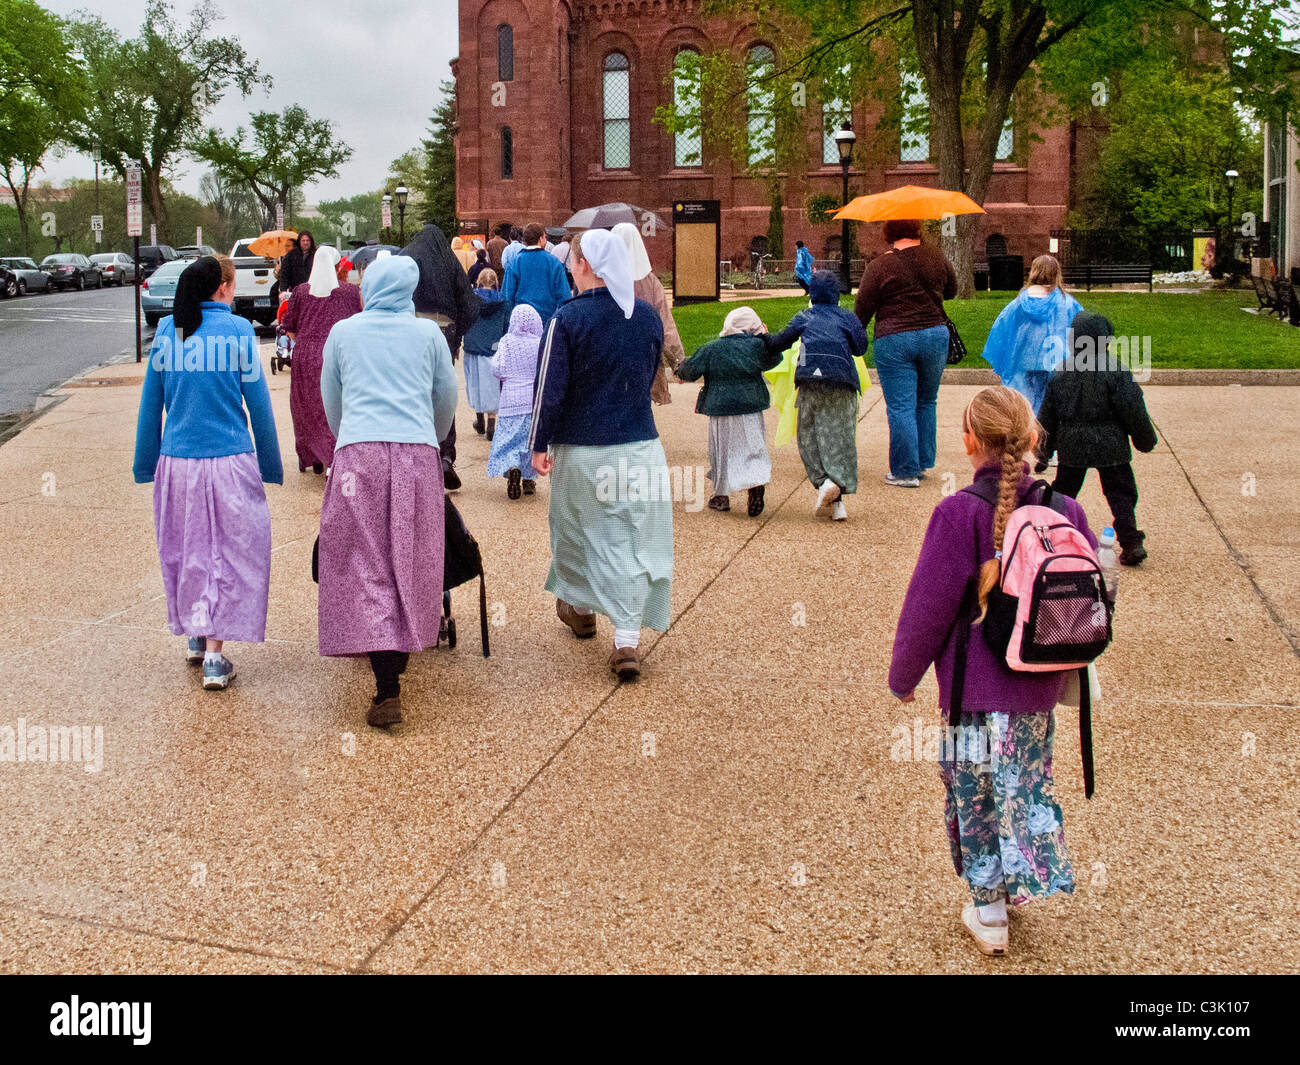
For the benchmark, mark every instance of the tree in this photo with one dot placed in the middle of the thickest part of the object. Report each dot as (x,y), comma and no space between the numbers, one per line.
(1173,134)
(288,151)
(350,218)
(236,211)
(973,59)
(41,89)
(149,95)
(436,180)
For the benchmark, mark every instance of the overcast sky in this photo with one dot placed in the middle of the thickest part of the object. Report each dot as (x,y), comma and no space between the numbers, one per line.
(313,52)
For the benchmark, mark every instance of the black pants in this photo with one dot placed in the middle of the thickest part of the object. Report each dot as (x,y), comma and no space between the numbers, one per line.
(1119,486)
(388,666)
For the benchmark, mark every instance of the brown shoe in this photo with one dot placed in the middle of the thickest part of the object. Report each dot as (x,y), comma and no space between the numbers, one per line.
(626,663)
(583,625)
(386,713)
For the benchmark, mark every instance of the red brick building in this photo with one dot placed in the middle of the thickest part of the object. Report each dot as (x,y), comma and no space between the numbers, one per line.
(555,106)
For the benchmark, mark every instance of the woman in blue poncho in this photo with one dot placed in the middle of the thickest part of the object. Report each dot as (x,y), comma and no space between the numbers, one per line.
(1030,337)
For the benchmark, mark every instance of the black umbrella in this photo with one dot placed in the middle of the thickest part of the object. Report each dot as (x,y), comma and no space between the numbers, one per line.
(608,215)
(363,257)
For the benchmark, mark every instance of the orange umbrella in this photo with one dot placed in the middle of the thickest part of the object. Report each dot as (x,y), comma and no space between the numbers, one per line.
(274,243)
(910,201)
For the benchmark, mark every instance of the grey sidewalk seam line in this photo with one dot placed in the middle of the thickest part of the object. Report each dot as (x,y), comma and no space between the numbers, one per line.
(1236,555)
(456,862)
(99,922)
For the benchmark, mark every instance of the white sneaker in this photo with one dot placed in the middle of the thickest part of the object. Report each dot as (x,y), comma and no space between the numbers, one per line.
(990,938)
(838,513)
(826,495)
(903,482)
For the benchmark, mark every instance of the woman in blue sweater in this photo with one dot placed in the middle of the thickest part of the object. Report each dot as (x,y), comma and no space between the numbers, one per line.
(210,512)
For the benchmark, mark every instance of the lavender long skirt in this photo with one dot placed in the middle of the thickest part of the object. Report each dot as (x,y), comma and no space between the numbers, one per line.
(381,549)
(214,543)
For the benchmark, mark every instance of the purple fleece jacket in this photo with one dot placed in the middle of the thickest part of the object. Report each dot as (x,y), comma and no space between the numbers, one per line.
(959,541)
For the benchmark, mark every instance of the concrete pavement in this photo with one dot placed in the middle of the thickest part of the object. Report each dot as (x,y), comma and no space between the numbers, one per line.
(738,809)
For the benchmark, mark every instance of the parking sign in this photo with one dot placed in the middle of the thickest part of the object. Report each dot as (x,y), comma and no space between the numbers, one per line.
(134,203)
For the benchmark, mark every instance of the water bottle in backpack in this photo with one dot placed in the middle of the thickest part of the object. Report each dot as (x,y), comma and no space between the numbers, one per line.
(1108,560)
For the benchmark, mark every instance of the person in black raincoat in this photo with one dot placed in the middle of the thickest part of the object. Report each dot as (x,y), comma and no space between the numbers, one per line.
(295,269)
(444,294)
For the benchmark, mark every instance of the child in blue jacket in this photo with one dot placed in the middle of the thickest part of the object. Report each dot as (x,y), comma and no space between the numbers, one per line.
(826,376)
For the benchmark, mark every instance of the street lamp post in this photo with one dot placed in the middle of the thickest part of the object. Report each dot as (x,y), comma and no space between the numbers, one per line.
(844,140)
(1231,177)
(401,193)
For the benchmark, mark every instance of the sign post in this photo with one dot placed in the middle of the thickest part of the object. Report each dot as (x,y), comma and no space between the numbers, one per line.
(697,249)
(134,220)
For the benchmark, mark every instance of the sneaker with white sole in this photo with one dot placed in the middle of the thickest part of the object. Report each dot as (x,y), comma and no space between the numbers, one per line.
(218,675)
(838,513)
(826,495)
(902,482)
(991,939)
(195,650)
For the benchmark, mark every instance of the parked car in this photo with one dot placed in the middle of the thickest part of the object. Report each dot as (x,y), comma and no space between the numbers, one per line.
(117,267)
(31,278)
(8,282)
(153,256)
(70,270)
(195,251)
(158,290)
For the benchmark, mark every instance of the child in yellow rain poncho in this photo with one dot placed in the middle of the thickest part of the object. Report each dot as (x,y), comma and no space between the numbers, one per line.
(816,389)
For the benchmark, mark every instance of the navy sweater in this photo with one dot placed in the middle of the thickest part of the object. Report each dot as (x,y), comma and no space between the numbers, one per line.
(595,372)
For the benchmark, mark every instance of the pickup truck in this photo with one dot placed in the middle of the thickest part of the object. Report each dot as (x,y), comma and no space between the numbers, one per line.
(254,279)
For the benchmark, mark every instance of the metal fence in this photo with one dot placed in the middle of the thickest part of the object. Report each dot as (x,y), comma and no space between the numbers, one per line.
(1163,251)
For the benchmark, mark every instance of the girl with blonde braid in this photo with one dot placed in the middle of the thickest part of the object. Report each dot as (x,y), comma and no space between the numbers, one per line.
(1004,824)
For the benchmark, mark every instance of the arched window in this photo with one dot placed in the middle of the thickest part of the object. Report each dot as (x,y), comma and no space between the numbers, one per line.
(617,113)
(836,110)
(507,153)
(914,132)
(761,100)
(505,53)
(1006,142)
(687,141)
(995,244)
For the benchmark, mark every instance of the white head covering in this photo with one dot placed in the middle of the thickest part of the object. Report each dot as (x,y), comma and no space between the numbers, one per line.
(610,262)
(324,277)
(742,320)
(631,237)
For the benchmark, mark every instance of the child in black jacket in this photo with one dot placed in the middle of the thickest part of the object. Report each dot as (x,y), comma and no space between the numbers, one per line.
(1092,409)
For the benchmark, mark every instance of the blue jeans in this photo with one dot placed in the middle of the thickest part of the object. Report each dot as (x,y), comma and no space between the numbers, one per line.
(910,366)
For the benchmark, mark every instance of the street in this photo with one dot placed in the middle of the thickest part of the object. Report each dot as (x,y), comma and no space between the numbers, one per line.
(46,339)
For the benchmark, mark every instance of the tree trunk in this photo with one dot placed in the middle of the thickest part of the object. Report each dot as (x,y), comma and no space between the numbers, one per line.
(157,205)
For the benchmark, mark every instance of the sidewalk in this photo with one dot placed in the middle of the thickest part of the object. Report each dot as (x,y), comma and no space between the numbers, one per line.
(738,809)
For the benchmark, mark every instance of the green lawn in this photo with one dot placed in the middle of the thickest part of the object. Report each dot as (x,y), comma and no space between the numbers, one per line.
(1202,330)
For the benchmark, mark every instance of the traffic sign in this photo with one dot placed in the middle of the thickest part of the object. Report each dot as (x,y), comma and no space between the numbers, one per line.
(134,201)
(96,223)
(279,216)
(386,216)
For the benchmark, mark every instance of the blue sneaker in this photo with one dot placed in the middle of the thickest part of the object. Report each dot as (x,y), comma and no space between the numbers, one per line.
(218,675)
(194,652)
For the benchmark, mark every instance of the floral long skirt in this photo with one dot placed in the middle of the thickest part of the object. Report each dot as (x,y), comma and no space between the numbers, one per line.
(1004,825)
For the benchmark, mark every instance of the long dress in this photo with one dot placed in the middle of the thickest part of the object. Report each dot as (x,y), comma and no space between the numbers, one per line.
(311,318)
(650,289)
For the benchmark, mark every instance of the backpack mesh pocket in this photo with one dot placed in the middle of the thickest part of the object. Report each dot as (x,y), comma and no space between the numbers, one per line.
(1069,618)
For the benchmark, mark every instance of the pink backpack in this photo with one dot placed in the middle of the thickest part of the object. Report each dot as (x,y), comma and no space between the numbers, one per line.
(1050,611)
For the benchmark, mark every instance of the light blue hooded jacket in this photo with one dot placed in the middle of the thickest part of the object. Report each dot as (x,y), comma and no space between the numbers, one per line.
(387,375)
(1029,340)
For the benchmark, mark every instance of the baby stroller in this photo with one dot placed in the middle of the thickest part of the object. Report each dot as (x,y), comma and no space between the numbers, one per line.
(282,358)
